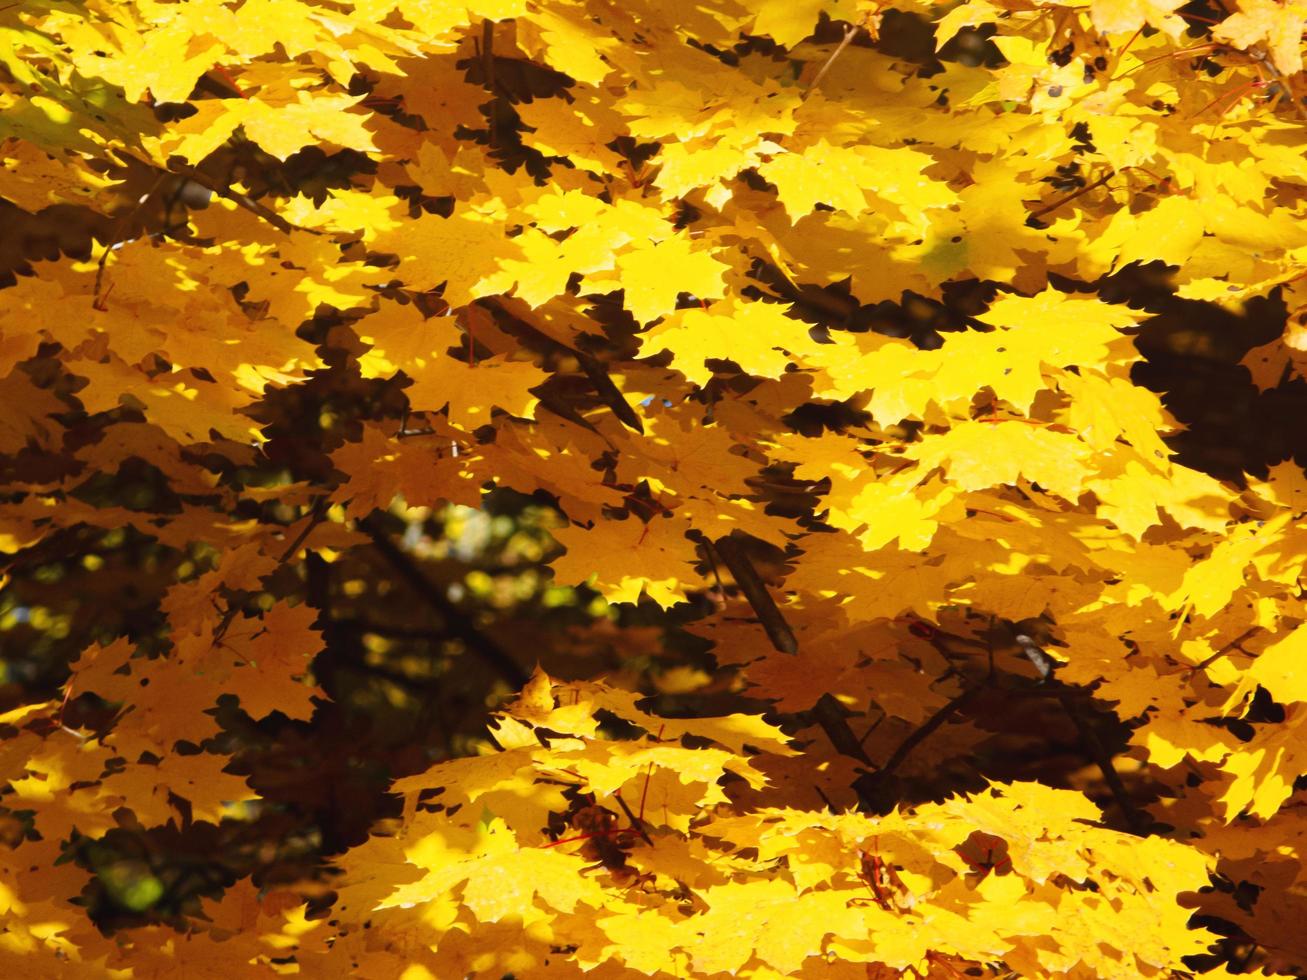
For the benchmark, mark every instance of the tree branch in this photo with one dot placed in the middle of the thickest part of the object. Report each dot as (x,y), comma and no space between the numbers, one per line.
(746,576)
(240,200)
(1235,644)
(607,391)
(459,623)
(878,791)
(833,719)
(1135,818)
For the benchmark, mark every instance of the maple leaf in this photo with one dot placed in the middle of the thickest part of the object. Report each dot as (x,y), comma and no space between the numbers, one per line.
(759,336)
(499,877)
(1279,25)
(979,455)
(682,455)
(1103,410)
(579,131)
(1264,769)
(1210,583)
(62,784)
(461,252)
(630,557)
(1022,355)
(803,179)
(572,708)
(768,919)
(1117,16)
(790,23)
(652,275)
(895,509)
(678,271)
(269,661)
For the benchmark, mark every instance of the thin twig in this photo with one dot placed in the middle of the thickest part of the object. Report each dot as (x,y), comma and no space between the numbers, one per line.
(720,589)
(459,623)
(871,728)
(1235,644)
(1071,197)
(594,369)
(316,516)
(119,228)
(488,54)
(1247,958)
(318,512)
(1259,56)
(636,823)
(241,200)
(879,791)
(488,70)
(607,391)
(926,728)
(1135,818)
(849,34)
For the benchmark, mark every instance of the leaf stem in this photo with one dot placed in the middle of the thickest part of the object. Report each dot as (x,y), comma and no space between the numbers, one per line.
(1071,197)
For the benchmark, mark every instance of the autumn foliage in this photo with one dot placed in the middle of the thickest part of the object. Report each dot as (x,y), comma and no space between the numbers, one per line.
(564,487)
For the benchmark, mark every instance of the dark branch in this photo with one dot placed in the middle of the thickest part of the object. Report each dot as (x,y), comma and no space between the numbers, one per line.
(1135,818)
(746,577)
(316,515)
(636,823)
(833,719)
(1050,208)
(607,391)
(927,728)
(459,623)
(878,791)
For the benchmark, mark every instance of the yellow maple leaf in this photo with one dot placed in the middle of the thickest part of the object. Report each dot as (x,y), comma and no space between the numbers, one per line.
(1104,410)
(1126,497)
(979,455)
(1210,583)
(1279,25)
(165,60)
(1121,16)
(758,336)
(268,658)
(1264,769)
(821,174)
(790,21)
(499,877)
(629,557)
(652,274)
(463,252)
(579,130)
(895,509)
(1278,668)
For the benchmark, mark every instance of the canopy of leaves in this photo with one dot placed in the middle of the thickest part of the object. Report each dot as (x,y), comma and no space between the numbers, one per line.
(799,340)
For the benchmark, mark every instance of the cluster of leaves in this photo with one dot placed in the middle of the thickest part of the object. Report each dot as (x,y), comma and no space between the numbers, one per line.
(794,311)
